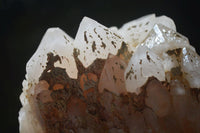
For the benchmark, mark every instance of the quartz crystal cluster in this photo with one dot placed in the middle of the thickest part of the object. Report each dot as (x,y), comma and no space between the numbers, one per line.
(141,78)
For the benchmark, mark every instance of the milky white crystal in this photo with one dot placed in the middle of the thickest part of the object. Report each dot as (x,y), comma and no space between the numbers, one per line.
(162,39)
(136,31)
(142,65)
(96,41)
(191,67)
(58,42)
(28,119)
(148,39)
(92,41)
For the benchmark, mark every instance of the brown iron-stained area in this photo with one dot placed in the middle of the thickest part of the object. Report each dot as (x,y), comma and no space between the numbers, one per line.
(76,105)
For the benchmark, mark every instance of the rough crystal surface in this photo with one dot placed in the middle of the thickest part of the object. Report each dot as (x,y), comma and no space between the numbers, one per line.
(95,41)
(137,30)
(190,64)
(142,65)
(161,40)
(112,76)
(143,77)
(58,42)
(158,98)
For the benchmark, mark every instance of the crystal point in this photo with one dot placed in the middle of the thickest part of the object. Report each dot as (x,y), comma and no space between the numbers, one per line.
(142,77)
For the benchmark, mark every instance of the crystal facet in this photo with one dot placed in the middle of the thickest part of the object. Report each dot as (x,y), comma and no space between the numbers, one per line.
(142,65)
(142,77)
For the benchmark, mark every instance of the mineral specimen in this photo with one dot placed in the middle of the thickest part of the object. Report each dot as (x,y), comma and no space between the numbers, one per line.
(143,77)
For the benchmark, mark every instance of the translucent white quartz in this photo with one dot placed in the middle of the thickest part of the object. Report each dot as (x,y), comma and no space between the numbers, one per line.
(96,41)
(136,31)
(149,39)
(160,41)
(191,67)
(142,65)
(58,42)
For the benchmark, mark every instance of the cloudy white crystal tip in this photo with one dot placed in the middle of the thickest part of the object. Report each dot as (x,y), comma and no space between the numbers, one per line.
(155,49)
(96,41)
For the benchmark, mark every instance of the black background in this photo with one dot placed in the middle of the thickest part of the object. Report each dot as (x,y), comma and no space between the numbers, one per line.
(24,22)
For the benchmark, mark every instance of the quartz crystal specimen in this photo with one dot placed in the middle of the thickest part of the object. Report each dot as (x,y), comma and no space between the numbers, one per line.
(141,78)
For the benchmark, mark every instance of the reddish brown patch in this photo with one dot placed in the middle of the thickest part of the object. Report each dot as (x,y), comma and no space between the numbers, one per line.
(76,107)
(92,76)
(86,92)
(83,79)
(58,87)
(88,80)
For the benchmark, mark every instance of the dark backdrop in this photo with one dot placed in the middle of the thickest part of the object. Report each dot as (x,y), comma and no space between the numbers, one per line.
(24,22)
